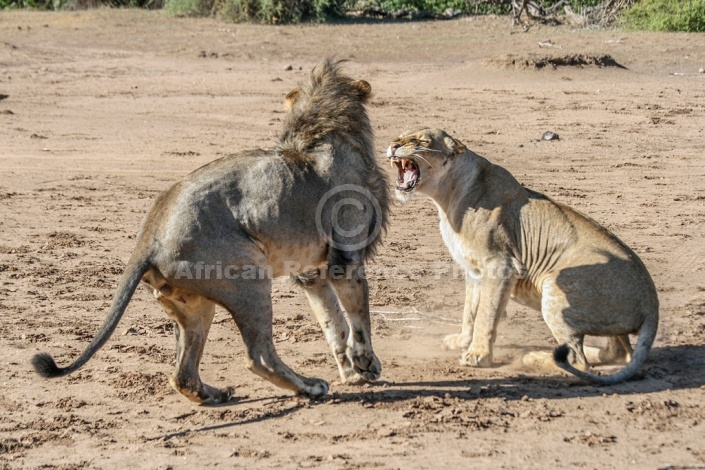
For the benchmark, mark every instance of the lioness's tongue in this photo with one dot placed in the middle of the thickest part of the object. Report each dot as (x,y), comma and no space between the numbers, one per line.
(409,175)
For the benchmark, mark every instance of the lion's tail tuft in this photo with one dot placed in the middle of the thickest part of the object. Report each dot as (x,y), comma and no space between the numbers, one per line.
(45,366)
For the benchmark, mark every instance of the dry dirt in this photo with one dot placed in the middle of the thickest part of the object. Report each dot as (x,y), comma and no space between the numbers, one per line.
(107,108)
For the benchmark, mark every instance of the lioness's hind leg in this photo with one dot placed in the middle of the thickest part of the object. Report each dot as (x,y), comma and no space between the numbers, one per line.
(193,316)
(539,361)
(326,308)
(556,309)
(618,350)
(625,352)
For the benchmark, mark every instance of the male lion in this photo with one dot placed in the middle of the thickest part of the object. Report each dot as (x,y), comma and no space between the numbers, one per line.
(514,242)
(311,208)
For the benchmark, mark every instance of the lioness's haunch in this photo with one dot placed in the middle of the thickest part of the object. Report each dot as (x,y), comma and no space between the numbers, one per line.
(270,213)
(517,243)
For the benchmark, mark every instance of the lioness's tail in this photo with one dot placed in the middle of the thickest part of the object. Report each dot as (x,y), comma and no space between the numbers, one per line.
(45,365)
(647,334)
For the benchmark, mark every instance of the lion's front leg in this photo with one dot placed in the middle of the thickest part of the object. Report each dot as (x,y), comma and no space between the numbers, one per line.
(493,296)
(353,292)
(325,306)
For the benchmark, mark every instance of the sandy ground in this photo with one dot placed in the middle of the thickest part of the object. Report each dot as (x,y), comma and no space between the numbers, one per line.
(105,109)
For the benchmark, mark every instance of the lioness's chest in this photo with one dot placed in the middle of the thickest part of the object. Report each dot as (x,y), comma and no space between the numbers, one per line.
(462,254)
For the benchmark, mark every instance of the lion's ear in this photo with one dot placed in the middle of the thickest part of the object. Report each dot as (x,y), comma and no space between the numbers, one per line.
(363,89)
(454,145)
(292,98)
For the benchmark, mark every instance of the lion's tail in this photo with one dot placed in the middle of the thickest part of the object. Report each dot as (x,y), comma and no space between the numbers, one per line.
(45,365)
(647,334)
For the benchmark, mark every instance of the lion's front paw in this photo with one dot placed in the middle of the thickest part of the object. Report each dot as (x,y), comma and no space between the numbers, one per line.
(366,364)
(457,341)
(476,358)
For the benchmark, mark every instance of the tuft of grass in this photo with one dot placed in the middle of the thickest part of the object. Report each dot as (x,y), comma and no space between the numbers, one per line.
(666,15)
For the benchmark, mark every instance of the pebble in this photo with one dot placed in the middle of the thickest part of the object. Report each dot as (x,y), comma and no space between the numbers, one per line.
(386,432)
(549,135)
(701,70)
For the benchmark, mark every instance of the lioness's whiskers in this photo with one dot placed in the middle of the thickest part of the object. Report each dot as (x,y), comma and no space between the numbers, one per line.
(422,158)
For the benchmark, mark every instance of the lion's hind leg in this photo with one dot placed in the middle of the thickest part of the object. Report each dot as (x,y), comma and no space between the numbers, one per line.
(250,304)
(193,316)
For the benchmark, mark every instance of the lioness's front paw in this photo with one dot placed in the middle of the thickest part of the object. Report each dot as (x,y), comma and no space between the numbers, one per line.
(476,359)
(457,341)
(314,387)
(366,364)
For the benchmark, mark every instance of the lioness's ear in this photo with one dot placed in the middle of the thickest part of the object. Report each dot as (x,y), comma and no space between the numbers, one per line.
(363,89)
(292,98)
(455,145)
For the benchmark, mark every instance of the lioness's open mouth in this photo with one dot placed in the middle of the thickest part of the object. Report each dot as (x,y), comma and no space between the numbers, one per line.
(408,173)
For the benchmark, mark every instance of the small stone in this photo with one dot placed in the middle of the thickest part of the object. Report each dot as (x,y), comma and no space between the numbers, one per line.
(701,70)
(386,432)
(288,68)
(549,135)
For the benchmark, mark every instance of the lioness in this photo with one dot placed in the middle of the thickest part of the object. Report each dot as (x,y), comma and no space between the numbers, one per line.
(514,242)
(312,208)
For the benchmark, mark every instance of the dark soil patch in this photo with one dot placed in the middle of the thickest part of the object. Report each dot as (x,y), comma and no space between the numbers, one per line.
(540,62)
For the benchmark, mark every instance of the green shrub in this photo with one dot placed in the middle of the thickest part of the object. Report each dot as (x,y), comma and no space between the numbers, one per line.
(258,11)
(77,4)
(473,7)
(188,7)
(432,6)
(281,11)
(666,15)
(30,4)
